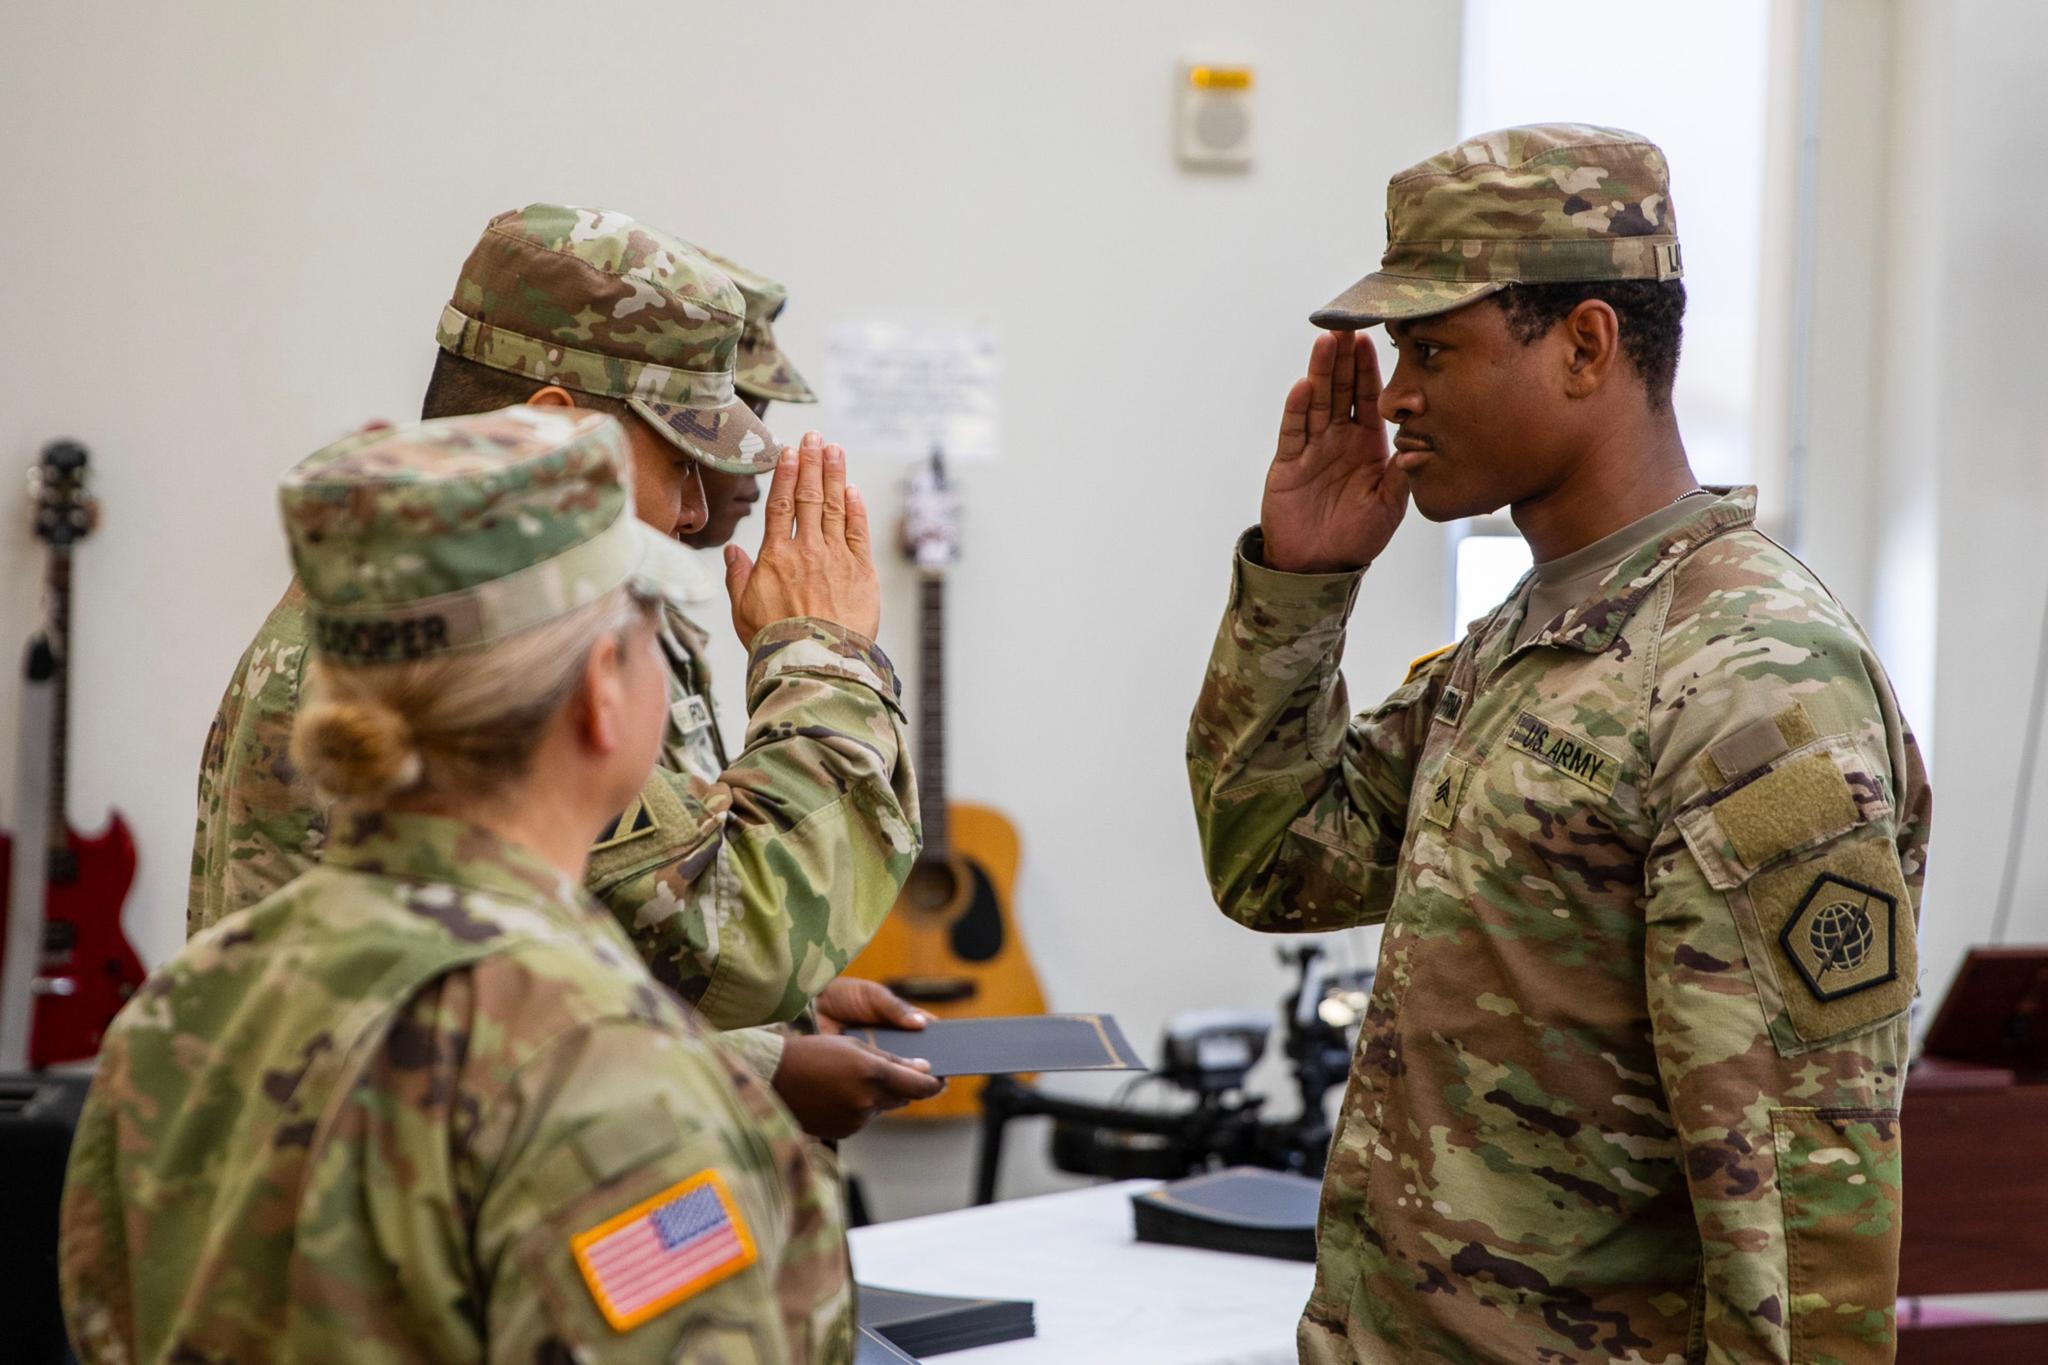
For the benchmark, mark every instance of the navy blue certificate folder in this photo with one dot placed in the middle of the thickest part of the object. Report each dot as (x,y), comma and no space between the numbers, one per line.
(999,1047)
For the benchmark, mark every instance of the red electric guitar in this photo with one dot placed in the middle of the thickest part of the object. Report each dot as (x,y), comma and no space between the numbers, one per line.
(68,889)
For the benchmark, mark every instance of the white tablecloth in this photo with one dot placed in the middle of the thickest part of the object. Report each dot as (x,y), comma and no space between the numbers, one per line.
(1101,1295)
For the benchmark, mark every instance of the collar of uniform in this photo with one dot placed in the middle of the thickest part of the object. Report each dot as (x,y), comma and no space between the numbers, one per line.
(687,636)
(1593,624)
(434,848)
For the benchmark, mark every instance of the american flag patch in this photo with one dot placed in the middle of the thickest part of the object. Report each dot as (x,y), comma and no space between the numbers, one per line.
(664,1249)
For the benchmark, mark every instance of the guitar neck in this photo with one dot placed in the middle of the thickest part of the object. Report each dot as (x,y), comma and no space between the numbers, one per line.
(59,584)
(931,711)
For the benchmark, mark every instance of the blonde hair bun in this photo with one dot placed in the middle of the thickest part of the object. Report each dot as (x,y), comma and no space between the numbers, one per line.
(356,750)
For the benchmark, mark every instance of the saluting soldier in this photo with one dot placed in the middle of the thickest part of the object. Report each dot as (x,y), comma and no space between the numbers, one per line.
(748,883)
(1648,841)
(426,1102)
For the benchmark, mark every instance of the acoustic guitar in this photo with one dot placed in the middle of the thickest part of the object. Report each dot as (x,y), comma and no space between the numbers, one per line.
(65,966)
(950,945)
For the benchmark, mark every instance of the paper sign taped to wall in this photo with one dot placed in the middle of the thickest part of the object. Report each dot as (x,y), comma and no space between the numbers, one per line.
(897,390)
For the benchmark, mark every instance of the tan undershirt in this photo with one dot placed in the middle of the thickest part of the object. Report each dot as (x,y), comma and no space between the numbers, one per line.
(1570,579)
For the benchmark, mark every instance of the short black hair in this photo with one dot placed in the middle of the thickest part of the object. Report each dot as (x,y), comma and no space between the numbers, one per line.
(1651,314)
(462,386)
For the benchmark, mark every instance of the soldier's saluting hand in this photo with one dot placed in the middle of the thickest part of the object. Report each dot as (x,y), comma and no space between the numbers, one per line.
(1334,493)
(816,555)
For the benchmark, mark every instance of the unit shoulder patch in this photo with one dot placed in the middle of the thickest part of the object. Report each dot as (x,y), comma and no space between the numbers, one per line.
(1840,927)
(663,1250)
(1843,938)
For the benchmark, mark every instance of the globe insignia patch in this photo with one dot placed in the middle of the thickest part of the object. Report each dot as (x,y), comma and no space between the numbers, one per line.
(1843,937)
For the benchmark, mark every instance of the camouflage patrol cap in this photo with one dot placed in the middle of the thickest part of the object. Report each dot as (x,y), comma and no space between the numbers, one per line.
(1547,203)
(762,371)
(457,532)
(596,302)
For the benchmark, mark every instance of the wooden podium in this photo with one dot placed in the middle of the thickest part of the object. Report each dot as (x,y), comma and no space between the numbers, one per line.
(1974,1124)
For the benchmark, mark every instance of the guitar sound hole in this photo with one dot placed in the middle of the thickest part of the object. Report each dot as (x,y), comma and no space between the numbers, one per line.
(931,886)
(978,933)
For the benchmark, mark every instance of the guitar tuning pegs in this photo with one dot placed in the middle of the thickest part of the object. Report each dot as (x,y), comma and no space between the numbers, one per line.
(65,456)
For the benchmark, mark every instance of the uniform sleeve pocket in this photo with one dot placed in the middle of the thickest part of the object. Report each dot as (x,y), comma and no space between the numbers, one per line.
(1807,860)
(1837,930)
(1838,1177)
(1799,803)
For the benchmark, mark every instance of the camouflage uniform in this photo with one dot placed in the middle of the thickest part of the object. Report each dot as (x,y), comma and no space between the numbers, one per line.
(401,1110)
(747,885)
(760,369)
(1628,1086)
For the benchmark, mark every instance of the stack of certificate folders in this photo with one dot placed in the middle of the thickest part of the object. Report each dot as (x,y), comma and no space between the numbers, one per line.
(1244,1209)
(924,1325)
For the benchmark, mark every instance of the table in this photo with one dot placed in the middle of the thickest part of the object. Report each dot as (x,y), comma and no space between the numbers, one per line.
(1101,1295)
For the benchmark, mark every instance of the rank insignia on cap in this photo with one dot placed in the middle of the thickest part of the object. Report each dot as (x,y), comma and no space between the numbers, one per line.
(1843,937)
(663,1250)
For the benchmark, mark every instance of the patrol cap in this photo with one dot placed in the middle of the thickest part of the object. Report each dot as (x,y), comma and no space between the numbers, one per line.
(1548,203)
(448,534)
(762,370)
(596,302)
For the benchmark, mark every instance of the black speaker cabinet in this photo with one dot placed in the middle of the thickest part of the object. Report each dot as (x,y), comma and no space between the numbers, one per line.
(38,1110)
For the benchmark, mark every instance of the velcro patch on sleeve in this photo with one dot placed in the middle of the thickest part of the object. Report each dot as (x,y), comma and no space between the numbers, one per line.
(1803,802)
(1842,927)
(1757,745)
(663,1250)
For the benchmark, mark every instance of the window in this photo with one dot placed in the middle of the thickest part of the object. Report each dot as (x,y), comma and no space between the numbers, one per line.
(1488,565)
(1694,77)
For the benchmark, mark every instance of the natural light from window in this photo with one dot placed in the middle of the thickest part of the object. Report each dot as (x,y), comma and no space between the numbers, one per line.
(1703,101)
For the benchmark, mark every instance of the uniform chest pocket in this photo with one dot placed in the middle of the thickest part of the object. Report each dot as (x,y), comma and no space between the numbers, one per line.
(1545,801)
(1804,851)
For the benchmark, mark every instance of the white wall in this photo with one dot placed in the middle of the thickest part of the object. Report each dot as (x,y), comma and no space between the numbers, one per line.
(1928,485)
(230,228)
(1981,380)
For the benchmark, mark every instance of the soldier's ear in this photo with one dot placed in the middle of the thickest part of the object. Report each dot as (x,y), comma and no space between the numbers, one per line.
(601,700)
(1592,339)
(553,396)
